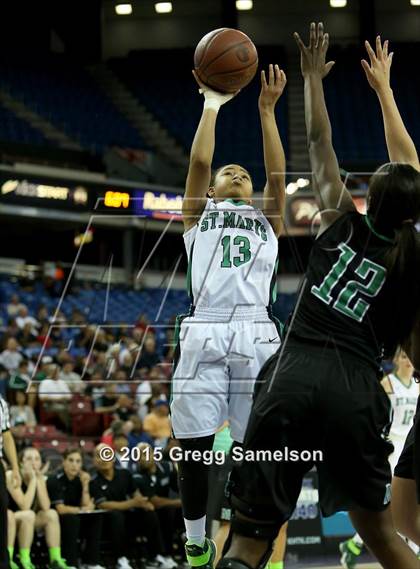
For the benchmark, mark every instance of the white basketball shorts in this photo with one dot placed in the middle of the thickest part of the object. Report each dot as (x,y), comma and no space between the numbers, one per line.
(221,354)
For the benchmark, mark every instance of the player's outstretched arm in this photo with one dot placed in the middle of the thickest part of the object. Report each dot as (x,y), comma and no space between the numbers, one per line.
(332,195)
(274,158)
(201,156)
(400,145)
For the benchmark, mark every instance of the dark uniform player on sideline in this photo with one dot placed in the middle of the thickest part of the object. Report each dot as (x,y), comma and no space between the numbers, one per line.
(363,272)
(6,442)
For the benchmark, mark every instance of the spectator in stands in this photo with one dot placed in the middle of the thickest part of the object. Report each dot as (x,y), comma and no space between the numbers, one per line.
(32,496)
(69,494)
(24,318)
(22,412)
(137,434)
(122,457)
(108,402)
(123,383)
(20,378)
(27,336)
(149,357)
(43,337)
(42,315)
(11,357)
(113,489)
(12,329)
(157,480)
(143,324)
(157,423)
(19,430)
(14,306)
(71,378)
(55,394)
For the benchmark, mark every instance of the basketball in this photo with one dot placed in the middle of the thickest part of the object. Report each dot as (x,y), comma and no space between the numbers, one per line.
(226,60)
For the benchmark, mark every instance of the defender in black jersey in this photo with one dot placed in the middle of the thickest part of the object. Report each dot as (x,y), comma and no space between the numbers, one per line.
(322,390)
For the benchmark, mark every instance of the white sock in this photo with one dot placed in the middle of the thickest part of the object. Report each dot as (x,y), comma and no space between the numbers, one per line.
(358,540)
(196,530)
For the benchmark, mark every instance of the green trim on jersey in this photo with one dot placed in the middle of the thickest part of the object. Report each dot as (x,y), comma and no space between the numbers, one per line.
(383,237)
(189,274)
(236,201)
(402,383)
(273,283)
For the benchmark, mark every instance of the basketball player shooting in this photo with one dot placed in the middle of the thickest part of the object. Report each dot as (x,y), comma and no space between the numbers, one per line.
(230,331)
(322,389)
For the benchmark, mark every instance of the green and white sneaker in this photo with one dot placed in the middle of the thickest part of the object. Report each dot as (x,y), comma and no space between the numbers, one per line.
(201,556)
(25,564)
(350,552)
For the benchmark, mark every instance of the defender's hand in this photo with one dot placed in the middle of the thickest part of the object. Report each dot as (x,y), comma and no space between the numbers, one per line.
(379,71)
(312,57)
(271,91)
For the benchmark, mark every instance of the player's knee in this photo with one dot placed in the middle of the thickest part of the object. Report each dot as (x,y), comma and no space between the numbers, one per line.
(27,517)
(51,516)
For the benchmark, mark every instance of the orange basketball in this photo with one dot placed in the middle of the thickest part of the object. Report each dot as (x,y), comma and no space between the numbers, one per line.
(226,60)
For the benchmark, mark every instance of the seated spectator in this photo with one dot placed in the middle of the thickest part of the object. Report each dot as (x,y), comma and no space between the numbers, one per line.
(108,402)
(20,378)
(143,324)
(26,336)
(69,494)
(24,318)
(14,306)
(42,315)
(31,499)
(137,434)
(120,446)
(157,423)
(11,357)
(122,381)
(156,480)
(148,358)
(72,379)
(19,431)
(128,512)
(43,337)
(55,395)
(22,412)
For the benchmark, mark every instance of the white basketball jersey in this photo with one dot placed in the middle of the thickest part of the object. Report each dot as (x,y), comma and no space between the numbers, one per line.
(232,254)
(404,402)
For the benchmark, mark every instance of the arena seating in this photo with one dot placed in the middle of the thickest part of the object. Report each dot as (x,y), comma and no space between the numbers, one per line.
(64,94)
(354,109)
(14,129)
(123,306)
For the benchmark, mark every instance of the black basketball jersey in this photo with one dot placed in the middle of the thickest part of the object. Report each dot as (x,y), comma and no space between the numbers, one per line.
(345,294)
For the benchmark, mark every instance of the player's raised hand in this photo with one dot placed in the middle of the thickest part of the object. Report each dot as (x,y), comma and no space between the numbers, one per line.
(379,71)
(213,99)
(272,89)
(312,57)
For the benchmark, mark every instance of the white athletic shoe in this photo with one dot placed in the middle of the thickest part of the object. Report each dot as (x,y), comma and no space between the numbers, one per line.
(123,563)
(92,567)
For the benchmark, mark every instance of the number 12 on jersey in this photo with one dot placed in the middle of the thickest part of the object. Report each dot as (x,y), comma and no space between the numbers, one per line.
(371,279)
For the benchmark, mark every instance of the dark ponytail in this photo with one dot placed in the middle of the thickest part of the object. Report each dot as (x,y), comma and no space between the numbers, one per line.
(394,208)
(403,264)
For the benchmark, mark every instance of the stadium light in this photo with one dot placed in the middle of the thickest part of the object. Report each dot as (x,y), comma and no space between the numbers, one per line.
(338,3)
(415,2)
(124,9)
(244,4)
(163,7)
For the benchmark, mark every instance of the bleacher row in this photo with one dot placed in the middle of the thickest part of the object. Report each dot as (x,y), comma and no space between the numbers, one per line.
(67,96)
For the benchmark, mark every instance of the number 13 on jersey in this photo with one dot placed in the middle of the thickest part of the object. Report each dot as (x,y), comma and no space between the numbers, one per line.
(371,278)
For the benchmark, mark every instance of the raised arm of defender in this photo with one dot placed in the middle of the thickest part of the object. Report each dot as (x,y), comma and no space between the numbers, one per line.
(274,158)
(332,196)
(400,145)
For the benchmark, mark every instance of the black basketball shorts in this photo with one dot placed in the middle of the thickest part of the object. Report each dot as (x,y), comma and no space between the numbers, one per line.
(313,399)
